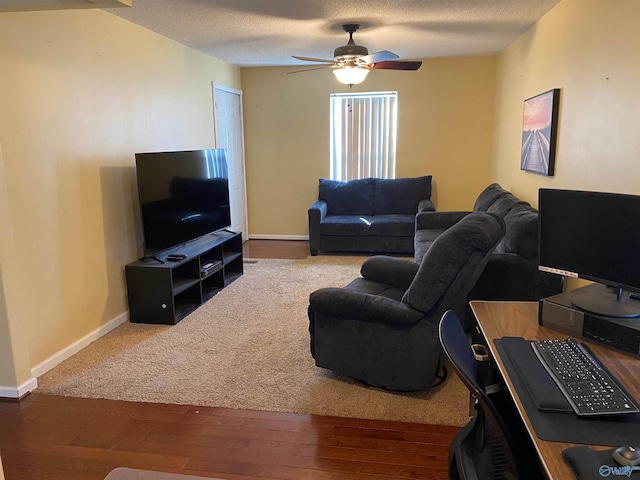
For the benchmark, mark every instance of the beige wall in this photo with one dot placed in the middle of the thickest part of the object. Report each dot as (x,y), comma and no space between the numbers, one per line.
(445,129)
(15,369)
(589,50)
(80,93)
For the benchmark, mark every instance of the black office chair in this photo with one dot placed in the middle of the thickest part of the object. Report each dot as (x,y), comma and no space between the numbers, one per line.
(485,448)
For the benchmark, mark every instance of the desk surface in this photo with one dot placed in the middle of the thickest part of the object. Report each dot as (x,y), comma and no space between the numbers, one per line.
(520,319)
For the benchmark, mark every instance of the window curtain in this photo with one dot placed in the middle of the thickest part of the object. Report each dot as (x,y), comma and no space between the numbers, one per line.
(363,135)
(217,163)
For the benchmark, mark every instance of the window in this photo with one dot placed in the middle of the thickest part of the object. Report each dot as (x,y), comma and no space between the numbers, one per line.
(363,135)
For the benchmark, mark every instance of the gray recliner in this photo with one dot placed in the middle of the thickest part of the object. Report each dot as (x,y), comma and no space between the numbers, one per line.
(382,328)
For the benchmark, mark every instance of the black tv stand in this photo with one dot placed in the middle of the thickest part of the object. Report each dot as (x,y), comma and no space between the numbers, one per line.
(168,291)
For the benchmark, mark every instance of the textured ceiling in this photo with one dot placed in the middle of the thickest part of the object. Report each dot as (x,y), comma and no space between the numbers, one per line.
(32,5)
(269,32)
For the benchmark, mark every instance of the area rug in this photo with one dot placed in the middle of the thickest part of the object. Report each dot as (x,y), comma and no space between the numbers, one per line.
(247,347)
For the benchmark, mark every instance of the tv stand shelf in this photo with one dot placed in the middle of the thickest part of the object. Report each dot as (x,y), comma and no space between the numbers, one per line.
(164,292)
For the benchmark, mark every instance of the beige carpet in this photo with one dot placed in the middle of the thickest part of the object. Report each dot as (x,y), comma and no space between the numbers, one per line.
(247,347)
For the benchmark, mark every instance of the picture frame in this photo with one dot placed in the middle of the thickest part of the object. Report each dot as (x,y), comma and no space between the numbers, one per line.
(539,130)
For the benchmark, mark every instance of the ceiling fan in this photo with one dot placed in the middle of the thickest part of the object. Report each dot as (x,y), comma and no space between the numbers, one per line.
(352,62)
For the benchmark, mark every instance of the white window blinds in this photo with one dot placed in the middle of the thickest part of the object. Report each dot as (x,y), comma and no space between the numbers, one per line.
(363,135)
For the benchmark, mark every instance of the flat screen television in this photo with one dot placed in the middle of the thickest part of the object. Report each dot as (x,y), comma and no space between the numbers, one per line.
(595,236)
(183,196)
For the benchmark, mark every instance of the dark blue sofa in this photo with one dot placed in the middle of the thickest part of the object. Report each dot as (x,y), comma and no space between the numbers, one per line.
(369,215)
(512,270)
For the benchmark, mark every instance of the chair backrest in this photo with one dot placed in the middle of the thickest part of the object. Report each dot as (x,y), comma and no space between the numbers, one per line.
(453,264)
(492,455)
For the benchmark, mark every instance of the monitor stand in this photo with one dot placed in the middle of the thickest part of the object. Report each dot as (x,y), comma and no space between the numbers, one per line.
(609,302)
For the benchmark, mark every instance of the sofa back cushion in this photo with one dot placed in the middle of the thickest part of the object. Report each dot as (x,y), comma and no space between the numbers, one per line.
(400,195)
(521,235)
(354,197)
(488,197)
(508,203)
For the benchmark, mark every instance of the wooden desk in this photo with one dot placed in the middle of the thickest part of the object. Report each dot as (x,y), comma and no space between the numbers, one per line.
(520,319)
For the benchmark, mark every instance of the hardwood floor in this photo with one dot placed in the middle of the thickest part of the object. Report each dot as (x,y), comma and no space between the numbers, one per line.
(49,437)
(54,438)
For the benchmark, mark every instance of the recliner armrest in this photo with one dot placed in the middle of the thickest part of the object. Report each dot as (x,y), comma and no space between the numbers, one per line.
(390,271)
(438,220)
(342,303)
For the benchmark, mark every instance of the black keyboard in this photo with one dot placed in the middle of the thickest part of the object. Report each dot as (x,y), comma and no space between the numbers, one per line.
(585,383)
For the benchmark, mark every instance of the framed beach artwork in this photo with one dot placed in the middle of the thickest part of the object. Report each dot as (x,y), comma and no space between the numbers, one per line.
(539,126)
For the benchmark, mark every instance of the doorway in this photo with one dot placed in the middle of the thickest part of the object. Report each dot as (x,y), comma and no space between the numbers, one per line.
(229,134)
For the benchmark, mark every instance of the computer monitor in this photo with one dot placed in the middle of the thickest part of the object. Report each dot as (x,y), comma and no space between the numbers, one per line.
(595,236)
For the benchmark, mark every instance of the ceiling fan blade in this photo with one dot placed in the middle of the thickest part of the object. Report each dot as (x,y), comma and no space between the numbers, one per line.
(311,59)
(377,57)
(397,65)
(311,68)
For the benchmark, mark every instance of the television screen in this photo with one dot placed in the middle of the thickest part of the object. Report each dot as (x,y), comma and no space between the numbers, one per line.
(183,196)
(595,236)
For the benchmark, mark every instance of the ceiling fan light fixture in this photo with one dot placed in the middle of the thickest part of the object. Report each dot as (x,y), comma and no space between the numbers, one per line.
(351,75)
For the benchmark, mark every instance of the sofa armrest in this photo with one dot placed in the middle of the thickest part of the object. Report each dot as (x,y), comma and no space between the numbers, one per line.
(342,303)
(316,212)
(426,205)
(390,271)
(438,220)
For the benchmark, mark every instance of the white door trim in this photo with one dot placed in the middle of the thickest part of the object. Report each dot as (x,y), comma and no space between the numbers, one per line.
(235,91)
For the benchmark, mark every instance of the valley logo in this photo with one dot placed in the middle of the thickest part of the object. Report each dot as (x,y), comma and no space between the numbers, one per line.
(625,471)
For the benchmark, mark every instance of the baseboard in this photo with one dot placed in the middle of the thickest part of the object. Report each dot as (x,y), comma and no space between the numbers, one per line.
(59,357)
(20,391)
(278,237)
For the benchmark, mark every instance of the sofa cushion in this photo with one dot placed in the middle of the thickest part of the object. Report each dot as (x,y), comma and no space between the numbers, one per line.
(400,195)
(521,236)
(345,225)
(375,288)
(392,225)
(507,203)
(354,197)
(488,196)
